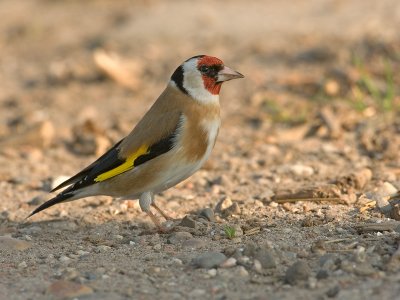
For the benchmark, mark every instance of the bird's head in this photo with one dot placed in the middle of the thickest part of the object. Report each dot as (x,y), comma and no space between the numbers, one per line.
(201,77)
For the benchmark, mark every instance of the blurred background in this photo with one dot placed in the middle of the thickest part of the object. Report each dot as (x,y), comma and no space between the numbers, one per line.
(296,56)
(317,116)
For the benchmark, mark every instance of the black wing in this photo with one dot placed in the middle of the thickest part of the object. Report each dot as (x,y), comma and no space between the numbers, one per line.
(104,163)
(111,160)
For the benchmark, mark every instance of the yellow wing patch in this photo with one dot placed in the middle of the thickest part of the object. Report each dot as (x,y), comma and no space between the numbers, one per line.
(126,166)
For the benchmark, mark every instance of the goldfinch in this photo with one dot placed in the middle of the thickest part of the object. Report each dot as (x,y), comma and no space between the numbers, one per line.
(171,142)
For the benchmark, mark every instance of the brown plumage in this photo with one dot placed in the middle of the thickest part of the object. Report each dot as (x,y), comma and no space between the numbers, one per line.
(172,141)
(172,104)
(168,108)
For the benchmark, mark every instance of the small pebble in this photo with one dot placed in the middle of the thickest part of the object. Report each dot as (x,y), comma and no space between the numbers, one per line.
(318,247)
(82,252)
(382,195)
(364,269)
(332,292)
(250,249)
(208,214)
(123,207)
(301,170)
(212,272)
(258,203)
(298,271)
(157,247)
(70,274)
(242,271)
(340,230)
(243,260)
(63,213)
(312,282)
(209,260)
(64,258)
(360,255)
(322,274)
(102,248)
(347,266)
(188,222)
(328,262)
(50,259)
(265,258)
(194,243)
(236,240)
(179,237)
(234,209)
(273,204)
(231,251)
(177,261)
(154,270)
(229,263)
(22,265)
(257,266)
(223,204)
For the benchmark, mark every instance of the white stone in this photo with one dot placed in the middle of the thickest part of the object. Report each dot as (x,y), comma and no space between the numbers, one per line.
(229,263)
(212,272)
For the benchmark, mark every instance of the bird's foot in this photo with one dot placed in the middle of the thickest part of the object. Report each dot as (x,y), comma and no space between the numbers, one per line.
(161,212)
(156,221)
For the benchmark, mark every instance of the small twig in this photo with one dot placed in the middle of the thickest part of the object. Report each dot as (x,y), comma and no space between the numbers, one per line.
(352,245)
(371,227)
(339,250)
(337,241)
(252,231)
(336,199)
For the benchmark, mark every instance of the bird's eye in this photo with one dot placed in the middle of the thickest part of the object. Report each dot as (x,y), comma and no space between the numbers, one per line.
(204,69)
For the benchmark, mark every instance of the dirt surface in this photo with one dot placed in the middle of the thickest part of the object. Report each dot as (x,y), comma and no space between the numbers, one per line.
(300,183)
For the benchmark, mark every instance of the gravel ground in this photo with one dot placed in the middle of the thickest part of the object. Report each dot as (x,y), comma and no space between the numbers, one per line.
(298,200)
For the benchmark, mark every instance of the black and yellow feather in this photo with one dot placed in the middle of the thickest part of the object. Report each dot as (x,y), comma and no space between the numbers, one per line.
(108,166)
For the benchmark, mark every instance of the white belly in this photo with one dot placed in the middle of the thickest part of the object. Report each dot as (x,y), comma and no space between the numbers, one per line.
(182,171)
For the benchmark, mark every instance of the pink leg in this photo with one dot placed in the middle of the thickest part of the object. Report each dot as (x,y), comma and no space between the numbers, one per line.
(156,222)
(167,217)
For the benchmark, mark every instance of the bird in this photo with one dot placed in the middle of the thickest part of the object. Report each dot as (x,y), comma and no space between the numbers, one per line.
(170,143)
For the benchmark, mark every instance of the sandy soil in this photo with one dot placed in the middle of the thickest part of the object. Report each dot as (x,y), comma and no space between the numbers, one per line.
(298,183)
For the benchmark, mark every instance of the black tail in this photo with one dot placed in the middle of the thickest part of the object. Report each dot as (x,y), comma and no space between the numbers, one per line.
(61,197)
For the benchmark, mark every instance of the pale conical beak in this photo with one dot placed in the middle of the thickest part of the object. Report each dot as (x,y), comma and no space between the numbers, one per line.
(228,74)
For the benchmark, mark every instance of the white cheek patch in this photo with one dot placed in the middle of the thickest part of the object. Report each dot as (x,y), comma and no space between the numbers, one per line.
(194,85)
